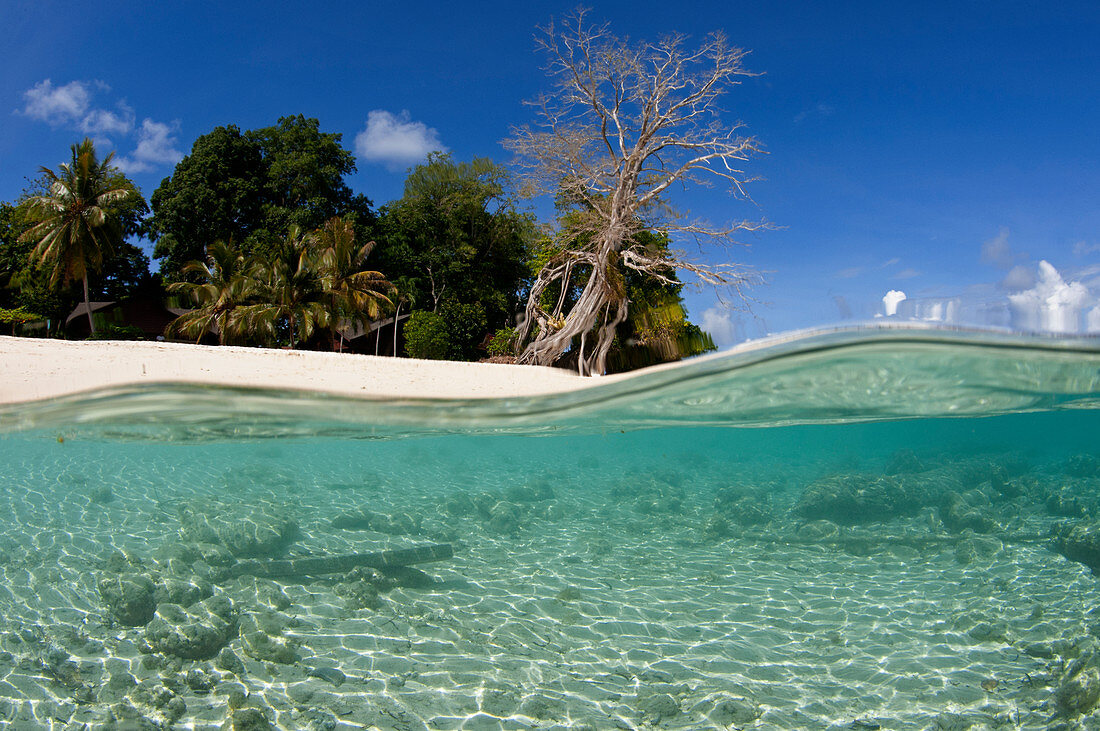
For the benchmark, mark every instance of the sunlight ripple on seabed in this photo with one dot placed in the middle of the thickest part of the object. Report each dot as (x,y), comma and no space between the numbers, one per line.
(878,557)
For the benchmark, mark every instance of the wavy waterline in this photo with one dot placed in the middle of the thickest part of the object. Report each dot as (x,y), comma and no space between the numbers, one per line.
(816,377)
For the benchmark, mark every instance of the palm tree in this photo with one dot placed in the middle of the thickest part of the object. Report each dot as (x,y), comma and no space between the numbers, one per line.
(225,285)
(290,293)
(77,229)
(352,294)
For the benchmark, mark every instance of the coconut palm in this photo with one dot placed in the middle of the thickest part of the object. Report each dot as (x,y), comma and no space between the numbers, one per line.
(76,228)
(289,292)
(225,284)
(352,295)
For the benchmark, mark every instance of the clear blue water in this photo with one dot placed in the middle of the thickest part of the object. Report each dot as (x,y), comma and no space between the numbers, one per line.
(851,530)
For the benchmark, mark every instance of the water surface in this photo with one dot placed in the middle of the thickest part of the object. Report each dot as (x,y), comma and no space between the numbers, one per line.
(848,530)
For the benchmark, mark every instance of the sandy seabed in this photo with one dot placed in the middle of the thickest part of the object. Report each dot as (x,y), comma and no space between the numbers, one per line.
(573,612)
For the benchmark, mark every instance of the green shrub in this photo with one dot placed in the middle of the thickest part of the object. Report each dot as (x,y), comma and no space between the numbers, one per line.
(426,336)
(503,342)
(466,327)
(118,332)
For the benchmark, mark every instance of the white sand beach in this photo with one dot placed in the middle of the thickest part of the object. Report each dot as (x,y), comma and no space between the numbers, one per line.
(33,369)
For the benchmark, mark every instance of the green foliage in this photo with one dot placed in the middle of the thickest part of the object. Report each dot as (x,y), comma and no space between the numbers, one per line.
(456,235)
(76,221)
(117,332)
(18,315)
(312,281)
(426,336)
(503,342)
(249,188)
(224,284)
(466,327)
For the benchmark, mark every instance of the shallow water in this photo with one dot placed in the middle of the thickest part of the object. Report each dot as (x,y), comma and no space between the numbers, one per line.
(850,530)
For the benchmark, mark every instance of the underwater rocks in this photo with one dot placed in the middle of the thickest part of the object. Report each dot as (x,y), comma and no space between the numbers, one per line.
(1078,542)
(857,498)
(262,638)
(1083,465)
(397,524)
(959,515)
(1079,689)
(129,598)
(249,534)
(195,633)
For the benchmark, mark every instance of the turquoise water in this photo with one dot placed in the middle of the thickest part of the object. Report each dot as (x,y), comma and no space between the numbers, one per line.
(847,530)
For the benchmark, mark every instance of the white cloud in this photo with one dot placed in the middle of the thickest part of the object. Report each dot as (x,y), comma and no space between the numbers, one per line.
(1020,277)
(156,146)
(71,106)
(891,300)
(104,122)
(1092,322)
(721,327)
(57,105)
(997,251)
(396,140)
(1083,248)
(1052,305)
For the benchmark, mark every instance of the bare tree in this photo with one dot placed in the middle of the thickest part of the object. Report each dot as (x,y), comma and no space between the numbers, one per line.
(625,122)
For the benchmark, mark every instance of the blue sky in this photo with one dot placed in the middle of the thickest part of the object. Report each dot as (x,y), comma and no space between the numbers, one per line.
(942,150)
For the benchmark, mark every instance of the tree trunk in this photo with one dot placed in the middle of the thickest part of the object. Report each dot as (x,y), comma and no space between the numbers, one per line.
(88,306)
(396,315)
(599,295)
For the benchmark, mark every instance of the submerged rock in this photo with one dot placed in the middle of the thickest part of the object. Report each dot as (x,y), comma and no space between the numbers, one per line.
(129,598)
(857,498)
(904,461)
(1079,690)
(959,515)
(247,719)
(197,632)
(819,530)
(261,638)
(1083,465)
(1079,542)
(250,534)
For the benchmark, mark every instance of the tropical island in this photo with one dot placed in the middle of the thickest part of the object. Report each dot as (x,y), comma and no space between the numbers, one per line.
(261,242)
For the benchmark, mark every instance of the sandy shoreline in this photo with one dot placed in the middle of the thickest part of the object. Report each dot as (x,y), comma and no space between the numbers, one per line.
(33,369)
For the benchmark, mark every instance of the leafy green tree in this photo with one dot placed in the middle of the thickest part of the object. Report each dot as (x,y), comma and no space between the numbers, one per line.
(224,284)
(77,223)
(214,194)
(352,294)
(249,188)
(289,297)
(456,235)
(426,336)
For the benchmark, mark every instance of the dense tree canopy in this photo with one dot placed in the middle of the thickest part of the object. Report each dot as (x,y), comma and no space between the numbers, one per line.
(456,236)
(249,188)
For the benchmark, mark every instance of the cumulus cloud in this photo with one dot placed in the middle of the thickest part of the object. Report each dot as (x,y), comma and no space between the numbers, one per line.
(101,122)
(57,105)
(891,300)
(156,146)
(395,140)
(1052,305)
(1019,277)
(718,323)
(998,252)
(73,105)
